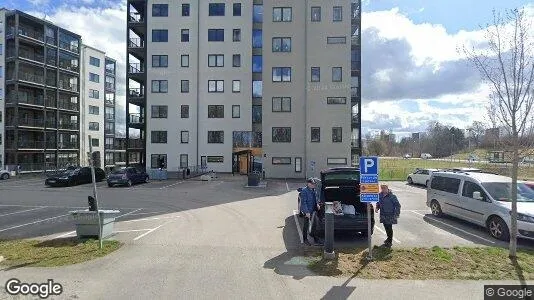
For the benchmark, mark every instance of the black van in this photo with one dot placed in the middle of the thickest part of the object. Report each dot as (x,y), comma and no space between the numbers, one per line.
(343,184)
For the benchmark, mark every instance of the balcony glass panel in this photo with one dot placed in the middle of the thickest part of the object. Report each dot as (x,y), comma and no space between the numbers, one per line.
(69,42)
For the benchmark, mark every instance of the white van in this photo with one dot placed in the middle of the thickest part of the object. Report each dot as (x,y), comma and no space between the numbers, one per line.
(426,156)
(482,199)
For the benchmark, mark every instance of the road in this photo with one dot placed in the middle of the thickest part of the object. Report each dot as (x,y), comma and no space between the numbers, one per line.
(206,240)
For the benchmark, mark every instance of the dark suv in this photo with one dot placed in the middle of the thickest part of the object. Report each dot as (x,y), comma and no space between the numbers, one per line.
(343,184)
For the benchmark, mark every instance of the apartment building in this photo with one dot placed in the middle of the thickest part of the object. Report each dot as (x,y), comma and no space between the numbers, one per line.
(230,85)
(51,95)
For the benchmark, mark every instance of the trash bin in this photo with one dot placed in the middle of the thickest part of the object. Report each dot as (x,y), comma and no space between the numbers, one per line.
(253,179)
(188,172)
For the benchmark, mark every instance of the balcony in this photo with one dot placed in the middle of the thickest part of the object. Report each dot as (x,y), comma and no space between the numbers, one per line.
(51,81)
(135,18)
(355,40)
(68,46)
(27,32)
(31,56)
(51,145)
(355,118)
(29,100)
(68,86)
(50,40)
(29,77)
(136,92)
(136,144)
(136,43)
(110,117)
(51,102)
(354,143)
(109,102)
(51,124)
(30,144)
(68,145)
(136,121)
(67,125)
(135,68)
(110,71)
(68,105)
(110,86)
(27,122)
(68,66)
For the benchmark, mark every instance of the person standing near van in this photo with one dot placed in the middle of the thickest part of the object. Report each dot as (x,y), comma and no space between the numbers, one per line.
(389,208)
(308,204)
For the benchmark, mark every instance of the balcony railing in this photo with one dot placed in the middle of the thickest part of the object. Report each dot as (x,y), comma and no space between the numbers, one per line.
(31,56)
(68,105)
(28,122)
(135,18)
(68,66)
(68,145)
(68,86)
(68,46)
(109,131)
(135,92)
(51,145)
(136,119)
(355,40)
(135,68)
(136,43)
(29,144)
(354,143)
(119,145)
(355,118)
(135,144)
(27,32)
(30,100)
(51,123)
(110,102)
(67,125)
(110,86)
(51,81)
(110,71)
(110,117)
(35,78)
(50,102)
(50,40)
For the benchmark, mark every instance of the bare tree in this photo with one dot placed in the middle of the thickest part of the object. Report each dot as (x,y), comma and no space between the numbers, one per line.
(507,65)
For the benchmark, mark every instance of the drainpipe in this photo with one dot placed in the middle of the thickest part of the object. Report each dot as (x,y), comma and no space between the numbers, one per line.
(306,87)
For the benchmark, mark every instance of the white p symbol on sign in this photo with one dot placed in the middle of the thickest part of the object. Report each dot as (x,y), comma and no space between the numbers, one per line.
(368,163)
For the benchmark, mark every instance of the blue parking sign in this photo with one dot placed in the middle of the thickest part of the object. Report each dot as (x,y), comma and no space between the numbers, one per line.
(369,198)
(369,165)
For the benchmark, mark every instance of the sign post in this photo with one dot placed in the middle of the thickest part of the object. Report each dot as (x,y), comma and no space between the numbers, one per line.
(369,191)
(92,164)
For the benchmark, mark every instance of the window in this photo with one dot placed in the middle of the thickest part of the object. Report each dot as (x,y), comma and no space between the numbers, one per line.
(257,39)
(337,74)
(236,111)
(445,184)
(158,137)
(184,137)
(316,14)
(159,111)
(184,35)
(94,126)
(94,77)
(257,14)
(215,159)
(236,86)
(336,161)
(215,35)
(337,136)
(158,161)
(256,114)
(183,161)
(336,100)
(281,104)
(236,36)
(215,60)
(281,134)
(184,111)
(160,10)
(315,74)
(215,137)
(237,9)
(160,35)
(471,187)
(298,164)
(236,60)
(257,63)
(281,160)
(281,44)
(282,14)
(216,9)
(257,88)
(95,142)
(94,110)
(94,94)
(159,86)
(160,61)
(184,61)
(315,134)
(215,111)
(186,10)
(336,40)
(184,86)
(215,86)
(338,14)
(281,74)
(93,61)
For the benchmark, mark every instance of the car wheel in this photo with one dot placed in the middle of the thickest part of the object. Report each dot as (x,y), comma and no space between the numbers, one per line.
(498,229)
(146,179)
(435,208)
(410,181)
(129,183)
(110,185)
(5,176)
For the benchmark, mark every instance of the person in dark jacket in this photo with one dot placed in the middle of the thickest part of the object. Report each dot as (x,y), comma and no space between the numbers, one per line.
(308,204)
(389,208)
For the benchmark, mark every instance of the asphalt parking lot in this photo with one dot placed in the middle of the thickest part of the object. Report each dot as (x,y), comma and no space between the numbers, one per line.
(28,209)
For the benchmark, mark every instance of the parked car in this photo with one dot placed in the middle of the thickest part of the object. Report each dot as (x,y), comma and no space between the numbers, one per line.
(473,157)
(420,176)
(75,176)
(4,174)
(127,176)
(343,185)
(317,189)
(407,156)
(482,199)
(426,156)
(530,184)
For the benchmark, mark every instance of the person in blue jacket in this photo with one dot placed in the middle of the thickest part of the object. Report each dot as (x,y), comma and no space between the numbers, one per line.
(308,204)
(389,208)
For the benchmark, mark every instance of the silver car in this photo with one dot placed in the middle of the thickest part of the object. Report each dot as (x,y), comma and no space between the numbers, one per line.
(482,199)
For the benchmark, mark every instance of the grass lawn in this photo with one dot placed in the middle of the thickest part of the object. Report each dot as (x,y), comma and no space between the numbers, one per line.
(488,263)
(52,253)
(398,169)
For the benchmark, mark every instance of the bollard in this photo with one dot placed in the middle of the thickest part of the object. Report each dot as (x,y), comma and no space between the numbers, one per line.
(329,231)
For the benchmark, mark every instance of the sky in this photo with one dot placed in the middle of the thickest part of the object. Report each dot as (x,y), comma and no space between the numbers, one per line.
(412,73)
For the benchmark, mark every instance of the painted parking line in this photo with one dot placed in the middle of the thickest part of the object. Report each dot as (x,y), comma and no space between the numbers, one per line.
(170,185)
(150,219)
(150,231)
(384,233)
(295,215)
(23,211)
(287,187)
(454,227)
(150,213)
(132,230)
(36,222)
(127,214)
(65,234)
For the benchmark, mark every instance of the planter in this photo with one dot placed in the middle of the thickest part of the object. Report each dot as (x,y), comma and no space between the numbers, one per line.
(87,222)
(253,179)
